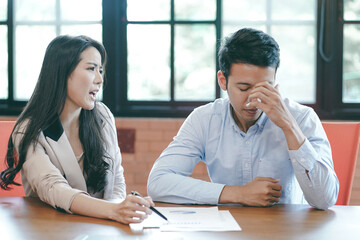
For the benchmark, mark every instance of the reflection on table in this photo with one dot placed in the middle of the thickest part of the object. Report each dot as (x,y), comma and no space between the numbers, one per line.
(29,218)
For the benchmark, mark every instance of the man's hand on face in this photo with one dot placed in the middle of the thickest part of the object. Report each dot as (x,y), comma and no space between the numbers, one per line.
(267,98)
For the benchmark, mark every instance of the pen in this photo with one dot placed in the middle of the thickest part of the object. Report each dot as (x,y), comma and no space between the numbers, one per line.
(135,193)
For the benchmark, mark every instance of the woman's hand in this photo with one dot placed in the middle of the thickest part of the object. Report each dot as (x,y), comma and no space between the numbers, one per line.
(133,209)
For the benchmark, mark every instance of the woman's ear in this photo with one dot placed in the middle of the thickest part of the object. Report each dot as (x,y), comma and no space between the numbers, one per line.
(221,80)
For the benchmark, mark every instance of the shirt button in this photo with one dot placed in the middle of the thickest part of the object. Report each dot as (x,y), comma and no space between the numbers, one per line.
(294,161)
(247,142)
(246,165)
(310,185)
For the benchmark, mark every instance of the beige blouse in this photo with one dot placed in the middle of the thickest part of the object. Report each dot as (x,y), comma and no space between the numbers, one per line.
(52,172)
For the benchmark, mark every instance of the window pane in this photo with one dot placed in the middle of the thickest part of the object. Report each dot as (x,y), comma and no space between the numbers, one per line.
(351,64)
(92,30)
(229,29)
(195,10)
(148,62)
(297,42)
(293,10)
(146,10)
(243,10)
(195,73)
(29,56)
(3,10)
(296,74)
(81,10)
(3,63)
(34,10)
(351,10)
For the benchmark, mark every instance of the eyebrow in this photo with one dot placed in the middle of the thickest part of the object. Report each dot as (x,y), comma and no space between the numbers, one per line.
(240,84)
(248,84)
(95,65)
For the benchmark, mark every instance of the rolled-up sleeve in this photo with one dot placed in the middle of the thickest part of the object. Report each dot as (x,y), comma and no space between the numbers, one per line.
(313,165)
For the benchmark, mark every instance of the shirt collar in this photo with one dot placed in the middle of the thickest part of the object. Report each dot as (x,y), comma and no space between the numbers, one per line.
(54,129)
(260,123)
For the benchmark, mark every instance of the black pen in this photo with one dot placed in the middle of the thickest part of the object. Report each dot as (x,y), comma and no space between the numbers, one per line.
(135,193)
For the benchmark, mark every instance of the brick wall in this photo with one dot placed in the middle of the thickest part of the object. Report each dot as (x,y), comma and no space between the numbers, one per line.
(143,139)
(152,136)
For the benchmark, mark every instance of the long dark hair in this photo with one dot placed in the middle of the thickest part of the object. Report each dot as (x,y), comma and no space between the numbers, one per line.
(46,104)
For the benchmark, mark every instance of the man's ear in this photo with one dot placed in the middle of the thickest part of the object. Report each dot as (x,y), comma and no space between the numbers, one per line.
(221,80)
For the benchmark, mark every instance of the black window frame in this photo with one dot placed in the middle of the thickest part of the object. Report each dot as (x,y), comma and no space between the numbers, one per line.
(117,67)
(328,104)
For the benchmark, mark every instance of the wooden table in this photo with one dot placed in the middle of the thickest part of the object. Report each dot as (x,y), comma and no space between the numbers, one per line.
(29,218)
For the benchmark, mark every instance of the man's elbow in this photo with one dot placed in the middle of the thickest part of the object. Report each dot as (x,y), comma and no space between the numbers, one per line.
(326,203)
(153,189)
(322,206)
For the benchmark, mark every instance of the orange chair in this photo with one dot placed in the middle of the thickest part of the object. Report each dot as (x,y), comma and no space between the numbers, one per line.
(344,141)
(6,128)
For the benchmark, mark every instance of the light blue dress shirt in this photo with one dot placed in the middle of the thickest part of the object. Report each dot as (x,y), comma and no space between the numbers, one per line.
(234,158)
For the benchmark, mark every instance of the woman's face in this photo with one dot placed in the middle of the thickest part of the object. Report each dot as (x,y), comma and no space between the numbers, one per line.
(85,81)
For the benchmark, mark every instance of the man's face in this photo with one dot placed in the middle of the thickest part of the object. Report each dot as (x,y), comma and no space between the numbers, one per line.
(241,81)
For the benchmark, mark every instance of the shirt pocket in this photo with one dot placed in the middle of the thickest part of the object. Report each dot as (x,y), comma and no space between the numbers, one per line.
(275,163)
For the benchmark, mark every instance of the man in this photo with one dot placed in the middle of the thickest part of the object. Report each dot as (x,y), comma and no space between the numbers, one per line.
(259,149)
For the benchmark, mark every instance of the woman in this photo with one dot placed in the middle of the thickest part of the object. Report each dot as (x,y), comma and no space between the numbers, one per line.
(64,142)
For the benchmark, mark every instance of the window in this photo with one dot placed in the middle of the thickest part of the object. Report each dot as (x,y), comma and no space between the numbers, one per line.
(162,53)
(4,90)
(171,51)
(31,25)
(293,25)
(351,52)
(33,18)
(168,56)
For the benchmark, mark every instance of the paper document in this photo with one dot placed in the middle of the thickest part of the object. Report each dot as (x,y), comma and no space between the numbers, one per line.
(189,219)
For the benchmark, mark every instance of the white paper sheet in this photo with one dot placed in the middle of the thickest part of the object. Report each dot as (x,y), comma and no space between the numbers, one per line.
(189,219)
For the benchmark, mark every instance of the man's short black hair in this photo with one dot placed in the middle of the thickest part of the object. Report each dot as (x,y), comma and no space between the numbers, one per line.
(248,46)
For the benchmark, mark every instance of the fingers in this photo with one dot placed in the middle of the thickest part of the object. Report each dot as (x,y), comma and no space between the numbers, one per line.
(138,200)
(150,201)
(129,218)
(272,198)
(263,94)
(145,202)
(266,89)
(273,192)
(269,179)
(277,87)
(136,214)
(133,209)
(268,201)
(276,187)
(266,85)
(273,201)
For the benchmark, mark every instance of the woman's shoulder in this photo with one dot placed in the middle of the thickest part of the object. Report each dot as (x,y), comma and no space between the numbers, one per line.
(106,116)
(104,110)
